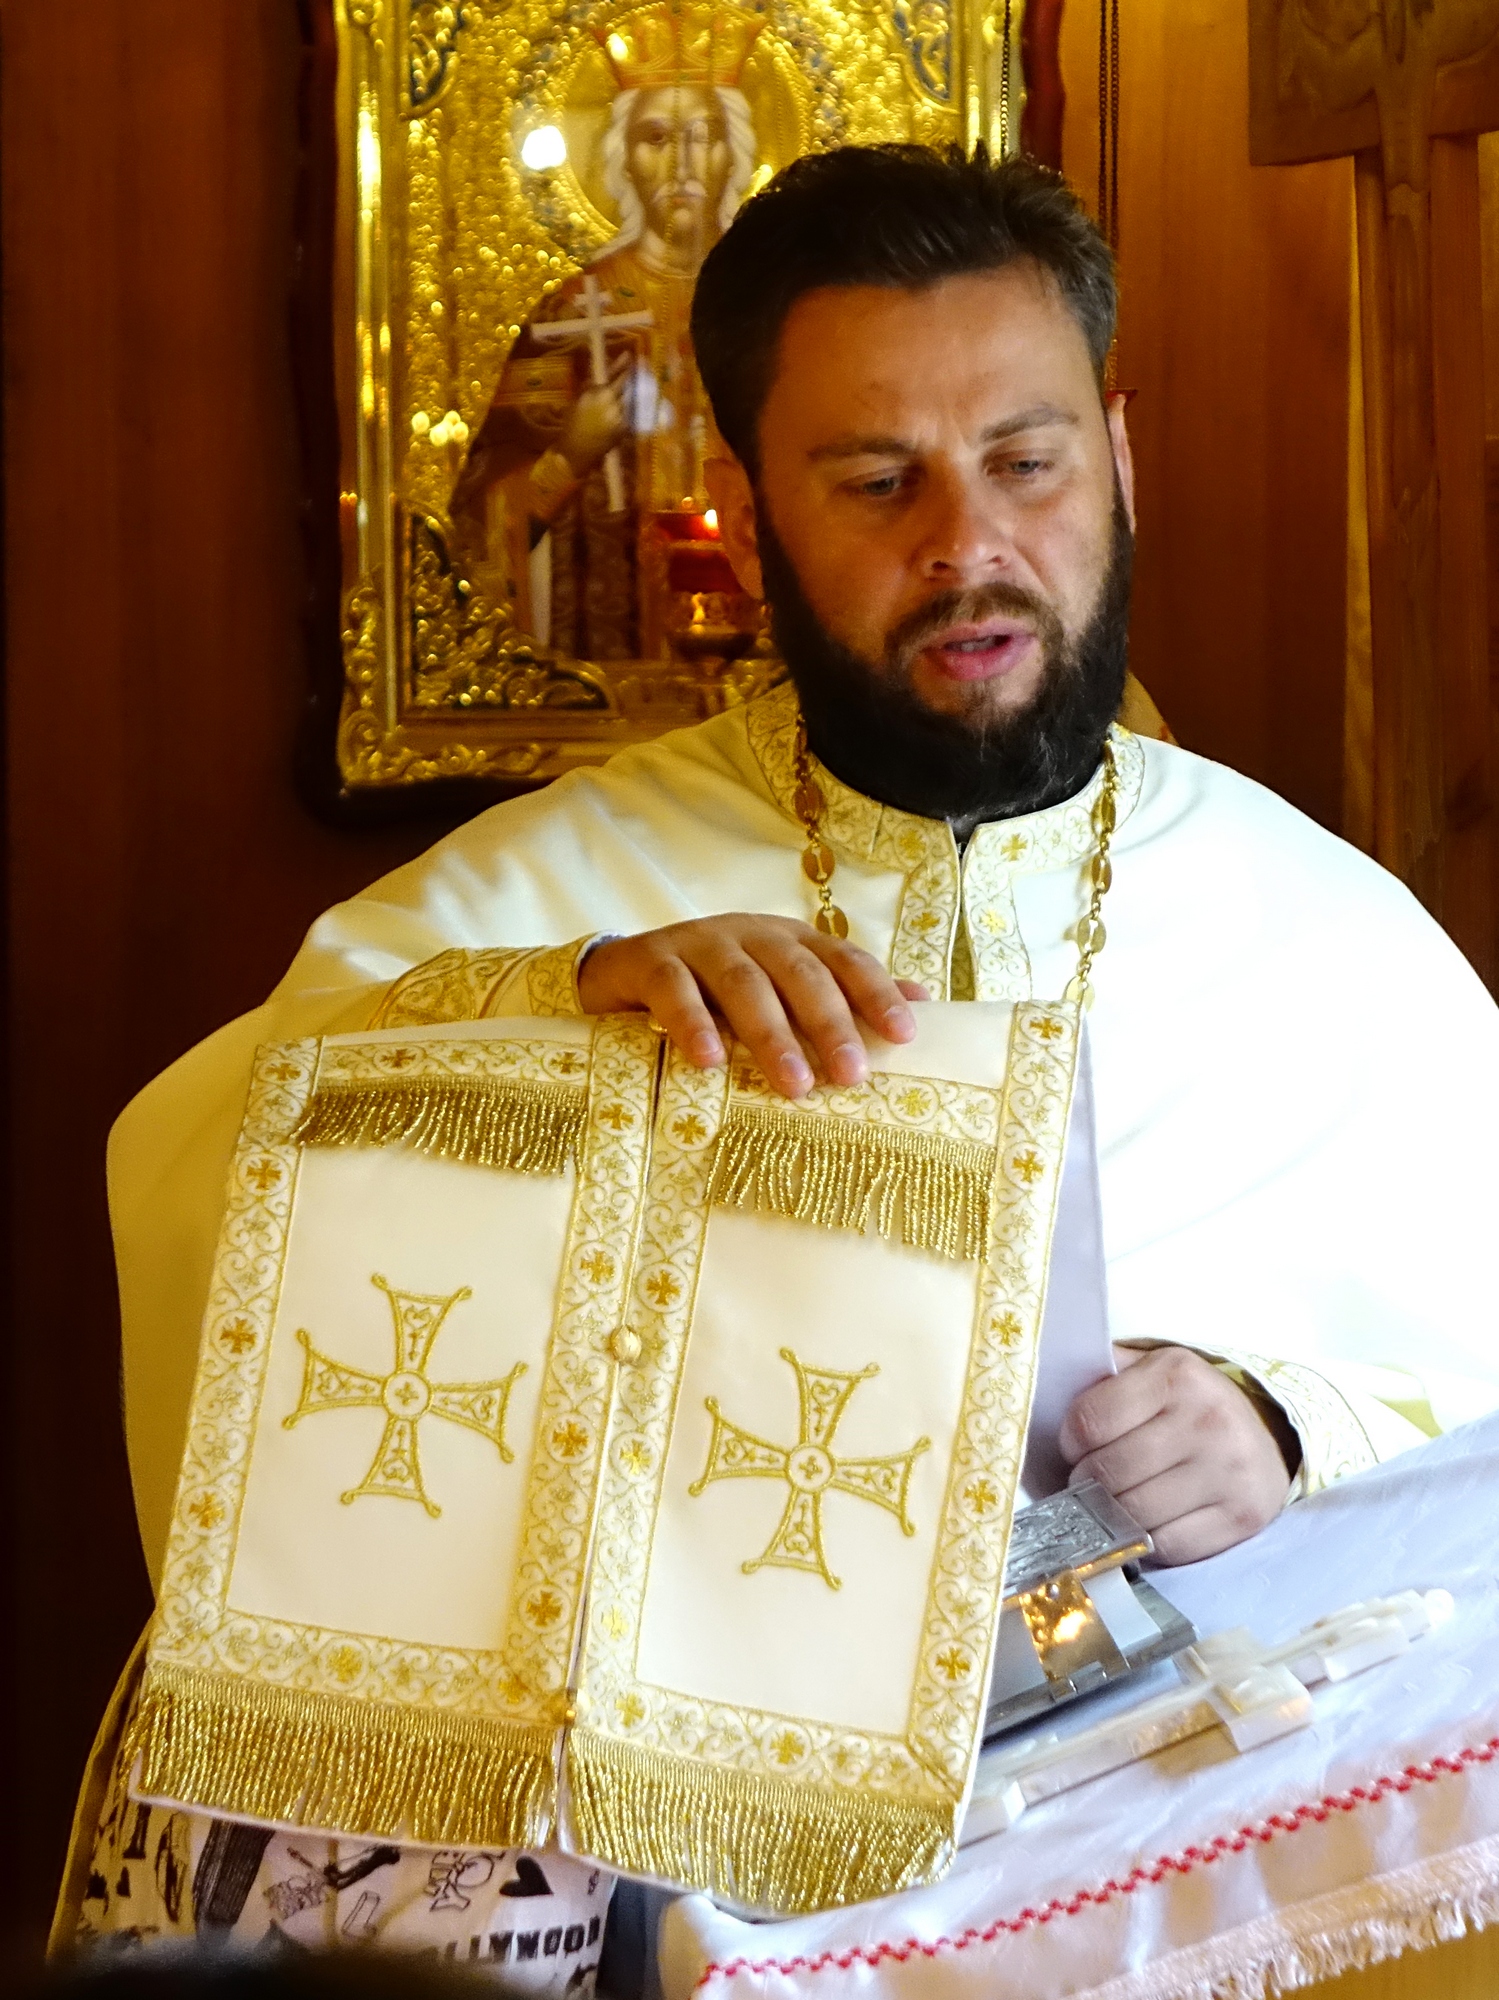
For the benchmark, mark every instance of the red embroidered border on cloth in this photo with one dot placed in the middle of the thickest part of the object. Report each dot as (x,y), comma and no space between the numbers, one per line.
(1183,1863)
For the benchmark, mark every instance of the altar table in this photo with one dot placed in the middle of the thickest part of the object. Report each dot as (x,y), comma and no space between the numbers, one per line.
(1198,1872)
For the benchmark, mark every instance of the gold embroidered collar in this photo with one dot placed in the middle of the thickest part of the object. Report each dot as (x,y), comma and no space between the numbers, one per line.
(861,829)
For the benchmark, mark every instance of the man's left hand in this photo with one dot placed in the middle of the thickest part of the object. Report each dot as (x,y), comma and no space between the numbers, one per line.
(1181,1447)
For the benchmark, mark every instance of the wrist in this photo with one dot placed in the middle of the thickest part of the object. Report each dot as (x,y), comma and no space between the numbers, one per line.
(593,995)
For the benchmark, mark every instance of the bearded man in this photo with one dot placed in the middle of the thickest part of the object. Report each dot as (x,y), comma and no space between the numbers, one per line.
(1293,1068)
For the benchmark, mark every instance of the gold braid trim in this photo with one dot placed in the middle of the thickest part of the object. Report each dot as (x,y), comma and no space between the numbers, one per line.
(529,1128)
(761,1843)
(926,1191)
(365,1769)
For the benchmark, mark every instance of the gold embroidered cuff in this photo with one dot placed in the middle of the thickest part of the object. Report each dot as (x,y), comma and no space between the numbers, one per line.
(1326,1426)
(456,985)
(552,975)
(553,483)
(1333,1441)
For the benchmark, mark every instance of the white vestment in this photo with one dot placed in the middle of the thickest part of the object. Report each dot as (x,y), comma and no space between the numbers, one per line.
(1296,1074)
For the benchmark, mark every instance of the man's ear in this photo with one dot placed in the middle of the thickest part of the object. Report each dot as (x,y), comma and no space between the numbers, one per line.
(1124,463)
(734,502)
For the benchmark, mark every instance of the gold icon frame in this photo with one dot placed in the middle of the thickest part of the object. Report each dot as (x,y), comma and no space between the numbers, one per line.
(446,244)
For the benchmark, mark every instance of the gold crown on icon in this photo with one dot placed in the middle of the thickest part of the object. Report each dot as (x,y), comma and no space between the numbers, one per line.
(704,46)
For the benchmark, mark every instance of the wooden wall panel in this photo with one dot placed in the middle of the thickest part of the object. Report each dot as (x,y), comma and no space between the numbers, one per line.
(161,869)
(1234,331)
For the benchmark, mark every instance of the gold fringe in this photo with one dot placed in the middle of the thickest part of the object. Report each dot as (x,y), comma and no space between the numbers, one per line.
(530,1128)
(929,1193)
(761,1843)
(370,1770)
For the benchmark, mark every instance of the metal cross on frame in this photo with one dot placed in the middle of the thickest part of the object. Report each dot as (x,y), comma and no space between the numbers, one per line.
(406,1396)
(593,327)
(809,1468)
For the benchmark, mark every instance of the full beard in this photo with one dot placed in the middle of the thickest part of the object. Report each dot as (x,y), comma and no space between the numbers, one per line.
(868,725)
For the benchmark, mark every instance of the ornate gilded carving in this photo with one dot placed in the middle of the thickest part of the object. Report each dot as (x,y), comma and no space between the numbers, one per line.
(925,27)
(432,35)
(534,578)
(466,653)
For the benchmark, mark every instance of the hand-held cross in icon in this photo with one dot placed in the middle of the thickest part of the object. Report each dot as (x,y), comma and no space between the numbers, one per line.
(406,1395)
(809,1468)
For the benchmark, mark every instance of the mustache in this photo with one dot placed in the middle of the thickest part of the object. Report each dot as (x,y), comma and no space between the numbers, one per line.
(867,724)
(947,608)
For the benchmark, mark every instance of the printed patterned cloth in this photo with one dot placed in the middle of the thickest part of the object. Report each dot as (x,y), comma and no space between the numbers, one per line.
(535,1921)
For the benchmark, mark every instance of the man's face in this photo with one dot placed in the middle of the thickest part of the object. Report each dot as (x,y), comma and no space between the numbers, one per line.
(943,512)
(677,155)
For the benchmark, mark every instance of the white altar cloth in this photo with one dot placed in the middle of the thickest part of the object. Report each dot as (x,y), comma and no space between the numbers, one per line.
(1200,1873)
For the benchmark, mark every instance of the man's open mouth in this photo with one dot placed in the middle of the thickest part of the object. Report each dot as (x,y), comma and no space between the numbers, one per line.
(980,652)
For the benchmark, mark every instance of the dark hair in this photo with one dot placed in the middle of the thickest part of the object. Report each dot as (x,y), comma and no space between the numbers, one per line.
(901,216)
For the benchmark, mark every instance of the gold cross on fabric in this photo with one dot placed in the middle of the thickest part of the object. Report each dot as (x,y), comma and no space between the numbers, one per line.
(809,1468)
(405,1395)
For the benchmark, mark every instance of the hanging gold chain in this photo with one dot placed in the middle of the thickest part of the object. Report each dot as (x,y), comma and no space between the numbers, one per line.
(819,863)
(1091,935)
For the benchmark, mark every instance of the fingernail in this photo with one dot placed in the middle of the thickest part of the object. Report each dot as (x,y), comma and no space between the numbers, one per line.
(794,1075)
(847,1064)
(899,1025)
(706,1050)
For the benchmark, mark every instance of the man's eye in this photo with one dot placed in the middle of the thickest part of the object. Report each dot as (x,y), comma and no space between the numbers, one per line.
(1026,468)
(883,486)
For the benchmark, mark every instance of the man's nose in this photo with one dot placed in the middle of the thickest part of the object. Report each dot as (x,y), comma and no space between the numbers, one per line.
(966,531)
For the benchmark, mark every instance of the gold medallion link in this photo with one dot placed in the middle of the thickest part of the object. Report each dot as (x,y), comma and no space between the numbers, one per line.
(819,862)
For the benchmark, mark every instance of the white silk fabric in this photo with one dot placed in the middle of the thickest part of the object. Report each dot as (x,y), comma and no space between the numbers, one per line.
(1296,1075)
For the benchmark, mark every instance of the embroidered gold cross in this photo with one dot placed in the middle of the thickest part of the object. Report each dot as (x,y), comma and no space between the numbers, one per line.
(809,1468)
(405,1395)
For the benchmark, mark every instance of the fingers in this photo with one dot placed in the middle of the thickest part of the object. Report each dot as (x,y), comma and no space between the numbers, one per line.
(676,1001)
(1111,1408)
(775,982)
(880,1001)
(1198,1468)
(752,1004)
(1135,1455)
(1206,1531)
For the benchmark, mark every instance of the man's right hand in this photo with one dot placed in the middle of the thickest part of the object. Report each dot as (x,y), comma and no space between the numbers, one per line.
(769,978)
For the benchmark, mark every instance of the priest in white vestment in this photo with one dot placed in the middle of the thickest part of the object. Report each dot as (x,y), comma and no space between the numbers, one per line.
(1296,1074)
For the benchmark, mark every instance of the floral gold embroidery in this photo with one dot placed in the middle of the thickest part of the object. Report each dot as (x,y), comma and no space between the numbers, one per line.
(406,1395)
(206,1512)
(809,1469)
(237,1336)
(543,1608)
(570,1440)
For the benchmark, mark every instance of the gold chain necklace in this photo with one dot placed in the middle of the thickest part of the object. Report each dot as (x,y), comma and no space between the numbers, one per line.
(819,863)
